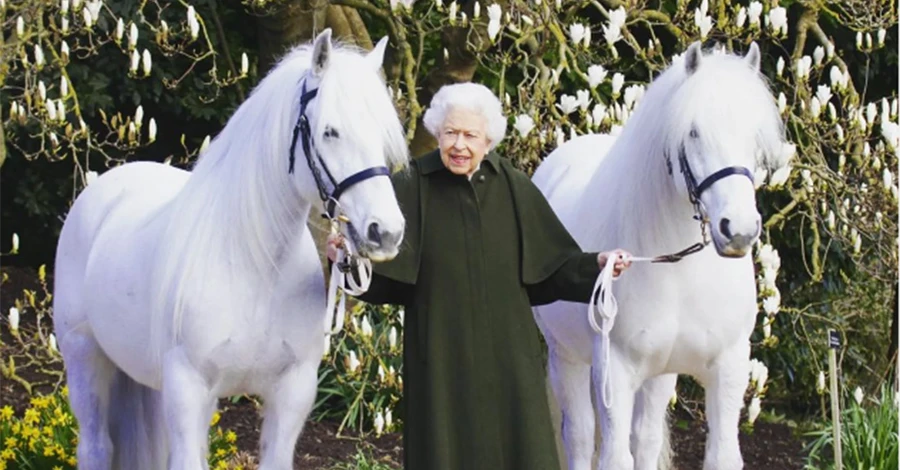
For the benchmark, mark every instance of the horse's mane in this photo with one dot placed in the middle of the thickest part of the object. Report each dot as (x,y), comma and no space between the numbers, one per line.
(240,206)
(723,95)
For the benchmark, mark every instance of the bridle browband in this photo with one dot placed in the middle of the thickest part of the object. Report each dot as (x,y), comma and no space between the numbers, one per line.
(330,201)
(694,192)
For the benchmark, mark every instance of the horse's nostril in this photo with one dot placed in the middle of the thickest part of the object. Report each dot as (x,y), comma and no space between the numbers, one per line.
(374,233)
(723,227)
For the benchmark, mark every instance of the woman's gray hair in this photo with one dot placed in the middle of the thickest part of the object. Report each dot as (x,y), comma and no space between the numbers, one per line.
(470,96)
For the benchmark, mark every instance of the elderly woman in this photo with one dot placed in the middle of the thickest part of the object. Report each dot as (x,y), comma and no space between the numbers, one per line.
(482,246)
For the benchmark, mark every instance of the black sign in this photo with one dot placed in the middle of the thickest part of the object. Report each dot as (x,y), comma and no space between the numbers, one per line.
(834,339)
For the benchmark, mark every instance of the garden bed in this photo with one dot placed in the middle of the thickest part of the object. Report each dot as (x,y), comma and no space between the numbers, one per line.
(771,446)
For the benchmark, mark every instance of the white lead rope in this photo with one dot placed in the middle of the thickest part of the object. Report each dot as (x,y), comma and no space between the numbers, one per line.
(347,283)
(606,309)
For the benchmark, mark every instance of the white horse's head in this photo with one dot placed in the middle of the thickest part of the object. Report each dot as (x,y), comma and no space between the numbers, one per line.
(722,123)
(346,136)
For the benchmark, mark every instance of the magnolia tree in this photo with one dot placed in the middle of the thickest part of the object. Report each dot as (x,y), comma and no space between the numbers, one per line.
(562,68)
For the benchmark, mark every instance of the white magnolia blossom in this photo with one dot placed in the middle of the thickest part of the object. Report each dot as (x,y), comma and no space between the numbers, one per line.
(753,410)
(88,19)
(245,64)
(830,220)
(132,36)
(567,103)
(617,81)
(871,113)
(560,136)
(839,133)
(741,18)
(366,327)
(20,27)
(633,95)
(151,130)
(93,7)
(193,24)
(42,90)
(804,64)
(64,25)
(598,113)
(613,32)
(839,79)
(495,13)
(146,62)
(53,139)
(524,124)
(64,7)
(887,178)
(353,362)
(51,109)
(60,110)
(782,102)
(139,115)
(779,66)
(387,415)
(38,56)
(120,30)
(476,10)
(13,311)
(780,176)
(881,35)
(392,337)
(754,11)
(778,20)
(576,33)
(868,40)
(52,341)
(135,60)
(64,50)
(204,145)
(832,112)
(815,107)
(820,382)
(818,55)
(771,305)
(596,75)
(379,423)
(584,99)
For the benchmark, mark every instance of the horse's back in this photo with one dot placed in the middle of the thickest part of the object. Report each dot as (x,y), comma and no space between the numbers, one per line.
(106,214)
(564,173)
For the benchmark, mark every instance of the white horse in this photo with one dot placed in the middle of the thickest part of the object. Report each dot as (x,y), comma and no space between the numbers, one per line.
(700,133)
(175,288)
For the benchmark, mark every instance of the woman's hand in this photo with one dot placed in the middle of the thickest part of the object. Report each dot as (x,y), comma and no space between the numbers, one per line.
(333,244)
(623,261)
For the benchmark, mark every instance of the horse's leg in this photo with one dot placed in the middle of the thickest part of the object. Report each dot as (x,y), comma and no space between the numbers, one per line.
(89,373)
(288,403)
(725,386)
(570,379)
(615,422)
(648,425)
(189,405)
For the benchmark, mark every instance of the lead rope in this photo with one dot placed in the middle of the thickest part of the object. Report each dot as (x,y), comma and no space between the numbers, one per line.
(603,305)
(342,277)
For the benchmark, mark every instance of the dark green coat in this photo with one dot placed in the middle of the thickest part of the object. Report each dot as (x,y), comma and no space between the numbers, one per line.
(476,256)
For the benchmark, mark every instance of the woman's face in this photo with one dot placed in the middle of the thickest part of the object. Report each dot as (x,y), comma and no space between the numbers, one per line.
(463,141)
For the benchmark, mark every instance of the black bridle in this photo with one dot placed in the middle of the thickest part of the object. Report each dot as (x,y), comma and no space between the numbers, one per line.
(329,200)
(694,192)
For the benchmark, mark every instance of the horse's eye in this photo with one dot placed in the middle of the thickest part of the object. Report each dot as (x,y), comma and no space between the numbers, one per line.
(694,134)
(331,133)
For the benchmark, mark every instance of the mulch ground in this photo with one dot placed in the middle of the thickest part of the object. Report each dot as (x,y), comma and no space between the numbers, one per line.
(771,446)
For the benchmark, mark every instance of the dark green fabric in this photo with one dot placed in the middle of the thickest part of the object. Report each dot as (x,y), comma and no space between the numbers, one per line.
(476,256)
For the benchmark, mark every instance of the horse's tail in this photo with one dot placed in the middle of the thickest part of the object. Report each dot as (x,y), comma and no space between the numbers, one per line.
(666,456)
(136,425)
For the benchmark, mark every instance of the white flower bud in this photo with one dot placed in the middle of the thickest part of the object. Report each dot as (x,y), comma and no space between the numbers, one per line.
(818,55)
(38,56)
(779,66)
(139,115)
(54,140)
(859,40)
(858,395)
(379,423)
(20,27)
(120,30)
(51,109)
(476,10)
(881,35)
(42,90)
(245,64)
(146,62)
(205,144)
(753,410)
(132,36)
(13,311)
(151,130)
(88,19)
(64,7)
(15,243)
(135,60)
(52,341)
(60,110)
(820,382)
(64,25)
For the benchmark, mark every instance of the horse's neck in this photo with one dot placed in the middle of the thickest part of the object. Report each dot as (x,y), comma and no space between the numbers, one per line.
(641,208)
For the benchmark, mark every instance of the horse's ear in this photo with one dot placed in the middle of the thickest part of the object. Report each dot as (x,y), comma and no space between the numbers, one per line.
(375,57)
(321,52)
(692,57)
(753,56)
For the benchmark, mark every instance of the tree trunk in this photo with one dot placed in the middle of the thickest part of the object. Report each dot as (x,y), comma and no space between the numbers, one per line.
(291,23)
